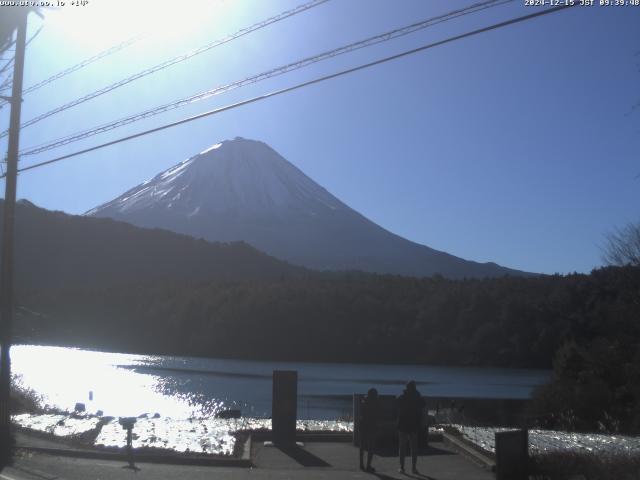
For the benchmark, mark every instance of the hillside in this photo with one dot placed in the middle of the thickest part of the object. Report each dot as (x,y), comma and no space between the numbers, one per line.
(53,249)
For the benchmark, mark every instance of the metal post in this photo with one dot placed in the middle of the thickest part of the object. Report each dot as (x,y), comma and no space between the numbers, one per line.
(284,409)
(6,275)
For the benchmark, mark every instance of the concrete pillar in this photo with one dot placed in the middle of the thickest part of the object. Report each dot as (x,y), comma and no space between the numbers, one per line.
(284,406)
(512,455)
(357,400)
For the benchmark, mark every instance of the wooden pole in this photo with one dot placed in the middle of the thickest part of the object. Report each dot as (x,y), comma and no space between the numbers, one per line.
(6,273)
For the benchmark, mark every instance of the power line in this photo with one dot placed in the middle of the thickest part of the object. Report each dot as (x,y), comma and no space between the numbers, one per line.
(12,59)
(34,35)
(374,40)
(403,54)
(7,46)
(8,64)
(84,63)
(7,81)
(6,85)
(173,61)
(5,66)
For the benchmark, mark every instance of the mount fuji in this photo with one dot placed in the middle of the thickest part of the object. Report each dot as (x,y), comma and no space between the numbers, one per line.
(244,190)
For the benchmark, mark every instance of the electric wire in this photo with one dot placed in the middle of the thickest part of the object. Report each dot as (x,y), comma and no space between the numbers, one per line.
(32,38)
(173,61)
(374,40)
(105,53)
(7,65)
(8,46)
(7,83)
(10,62)
(341,73)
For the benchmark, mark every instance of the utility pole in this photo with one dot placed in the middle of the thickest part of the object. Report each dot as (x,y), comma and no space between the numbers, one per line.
(6,275)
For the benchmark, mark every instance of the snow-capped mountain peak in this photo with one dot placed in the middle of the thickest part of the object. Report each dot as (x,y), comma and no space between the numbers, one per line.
(243,190)
(247,174)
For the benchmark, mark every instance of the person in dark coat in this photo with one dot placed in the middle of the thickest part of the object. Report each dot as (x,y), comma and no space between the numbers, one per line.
(410,410)
(369,418)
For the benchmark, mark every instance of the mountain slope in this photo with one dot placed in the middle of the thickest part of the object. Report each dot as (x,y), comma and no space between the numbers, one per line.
(53,249)
(243,190)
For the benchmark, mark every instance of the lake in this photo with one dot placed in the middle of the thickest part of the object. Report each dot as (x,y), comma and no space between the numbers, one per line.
(122,384)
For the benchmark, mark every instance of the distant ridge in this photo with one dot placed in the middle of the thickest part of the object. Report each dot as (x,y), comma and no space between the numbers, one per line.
(243,190)
(57,250)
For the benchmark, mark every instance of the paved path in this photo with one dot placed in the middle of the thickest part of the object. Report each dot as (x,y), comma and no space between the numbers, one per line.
(439,462)
(316,461)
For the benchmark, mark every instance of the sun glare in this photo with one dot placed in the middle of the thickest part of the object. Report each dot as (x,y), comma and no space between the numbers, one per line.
(102,23)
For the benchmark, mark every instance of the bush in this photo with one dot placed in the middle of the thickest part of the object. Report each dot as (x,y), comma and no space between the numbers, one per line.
(24,399)
(594,387)
(591,466)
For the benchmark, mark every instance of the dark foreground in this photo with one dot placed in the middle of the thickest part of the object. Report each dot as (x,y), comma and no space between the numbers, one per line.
(316,460)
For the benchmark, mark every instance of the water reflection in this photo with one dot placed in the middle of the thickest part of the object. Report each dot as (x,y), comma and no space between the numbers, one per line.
(65,376)
(199,435)
(185,387)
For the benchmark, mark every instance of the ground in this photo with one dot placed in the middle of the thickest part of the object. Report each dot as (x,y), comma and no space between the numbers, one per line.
(316,460)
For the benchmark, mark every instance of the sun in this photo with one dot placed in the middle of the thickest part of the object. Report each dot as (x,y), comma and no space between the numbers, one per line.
(102,23)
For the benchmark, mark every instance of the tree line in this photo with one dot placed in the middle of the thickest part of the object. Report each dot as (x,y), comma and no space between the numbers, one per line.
(586,327)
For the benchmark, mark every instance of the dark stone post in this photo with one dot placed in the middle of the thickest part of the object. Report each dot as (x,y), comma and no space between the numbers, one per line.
(284,406)
(512,455)
(357,400)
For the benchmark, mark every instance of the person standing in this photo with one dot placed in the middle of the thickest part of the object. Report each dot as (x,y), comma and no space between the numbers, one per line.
(369,417)
(410,409)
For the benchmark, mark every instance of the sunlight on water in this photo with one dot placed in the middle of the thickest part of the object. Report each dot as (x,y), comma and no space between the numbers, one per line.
(184,387)
(66,376)
(202,436)
(186,393)
(210,435)
(197,435)
(59,425)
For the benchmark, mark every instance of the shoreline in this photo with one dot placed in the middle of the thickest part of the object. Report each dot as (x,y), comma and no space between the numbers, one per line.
(84,443)
(204,437)
(275,359)
(40,442)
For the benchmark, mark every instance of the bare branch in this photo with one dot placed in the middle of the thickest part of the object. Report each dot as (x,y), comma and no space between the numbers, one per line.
(623,246)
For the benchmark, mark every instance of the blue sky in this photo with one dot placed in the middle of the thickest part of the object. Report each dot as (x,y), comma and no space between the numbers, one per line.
(515,146)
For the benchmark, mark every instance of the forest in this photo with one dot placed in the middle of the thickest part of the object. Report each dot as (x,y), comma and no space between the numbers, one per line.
(510,321)
(585,327)
(107,285)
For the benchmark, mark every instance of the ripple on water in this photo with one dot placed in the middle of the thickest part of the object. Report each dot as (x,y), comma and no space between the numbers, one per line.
(59,425)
